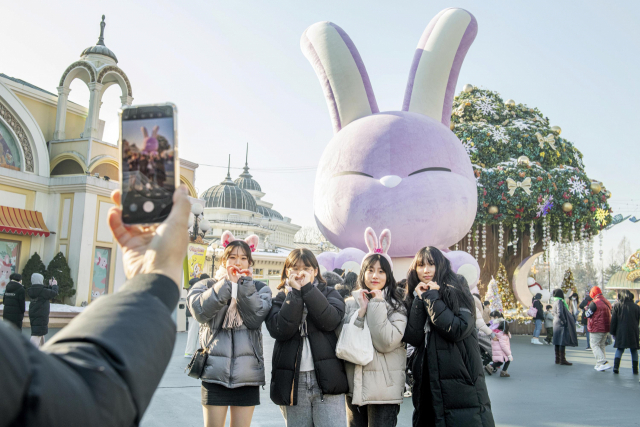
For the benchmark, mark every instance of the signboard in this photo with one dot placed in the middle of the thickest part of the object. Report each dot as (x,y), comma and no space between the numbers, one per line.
(196,256)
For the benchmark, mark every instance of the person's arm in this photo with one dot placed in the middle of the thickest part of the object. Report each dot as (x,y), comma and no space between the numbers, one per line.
(480,325)
(326,313)
(285,316)
(205,302)
(253,305)
(386,331)
(590,310)
(613,327)
(21,302)
(414,332)
(449,325)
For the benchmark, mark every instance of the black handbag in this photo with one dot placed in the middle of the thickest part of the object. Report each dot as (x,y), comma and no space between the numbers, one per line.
(198,361)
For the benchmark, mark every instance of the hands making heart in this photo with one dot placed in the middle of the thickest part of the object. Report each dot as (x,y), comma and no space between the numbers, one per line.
(424,287)
(365,297)
(235,273)
(298,279)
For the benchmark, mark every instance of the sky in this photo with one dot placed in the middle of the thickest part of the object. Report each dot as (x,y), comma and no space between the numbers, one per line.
(237,74)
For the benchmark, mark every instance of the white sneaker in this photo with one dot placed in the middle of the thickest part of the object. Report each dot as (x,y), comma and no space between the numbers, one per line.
(603,367)
(536,341)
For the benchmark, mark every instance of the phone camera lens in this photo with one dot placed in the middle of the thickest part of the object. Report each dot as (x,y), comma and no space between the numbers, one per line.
(133,207)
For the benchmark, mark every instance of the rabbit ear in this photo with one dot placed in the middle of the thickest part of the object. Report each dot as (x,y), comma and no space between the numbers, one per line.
(385,240)
(226,238)
(436,64)
(155,131)
(253,241)
(144,132)
(371,239)
(342,73)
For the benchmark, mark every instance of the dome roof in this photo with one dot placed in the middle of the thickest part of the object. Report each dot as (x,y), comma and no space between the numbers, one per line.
(245,180)
(100,48)
(228,195)
(269,213)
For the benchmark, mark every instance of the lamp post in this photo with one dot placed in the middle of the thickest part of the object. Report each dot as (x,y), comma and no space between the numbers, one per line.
(198,225)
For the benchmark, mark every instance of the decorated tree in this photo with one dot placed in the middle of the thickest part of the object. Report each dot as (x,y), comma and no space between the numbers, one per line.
(504,290)
(493,296)
(34,265)
(59,269)
(531,182)
(568,284)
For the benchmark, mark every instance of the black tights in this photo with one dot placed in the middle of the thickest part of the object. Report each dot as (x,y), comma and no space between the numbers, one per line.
(496,365)
(560,348)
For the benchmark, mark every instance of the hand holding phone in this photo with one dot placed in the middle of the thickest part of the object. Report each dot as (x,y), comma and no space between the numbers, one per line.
(149,168)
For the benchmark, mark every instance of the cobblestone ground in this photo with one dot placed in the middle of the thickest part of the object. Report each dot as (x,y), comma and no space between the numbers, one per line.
(538,393)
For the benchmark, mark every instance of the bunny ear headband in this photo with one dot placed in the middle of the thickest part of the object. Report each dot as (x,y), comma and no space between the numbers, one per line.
(376,246)
(228,237)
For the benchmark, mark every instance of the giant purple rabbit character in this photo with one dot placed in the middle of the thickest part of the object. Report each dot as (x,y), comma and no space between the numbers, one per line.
(150,142)
(402,170)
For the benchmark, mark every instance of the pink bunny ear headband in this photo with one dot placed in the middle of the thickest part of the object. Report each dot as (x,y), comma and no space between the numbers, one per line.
(380,247)
(228,237)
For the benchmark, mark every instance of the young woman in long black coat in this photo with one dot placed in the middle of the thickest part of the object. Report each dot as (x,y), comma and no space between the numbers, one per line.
(625,317)
(449,387)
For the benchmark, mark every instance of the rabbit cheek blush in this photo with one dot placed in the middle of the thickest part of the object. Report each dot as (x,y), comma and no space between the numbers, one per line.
(401,170)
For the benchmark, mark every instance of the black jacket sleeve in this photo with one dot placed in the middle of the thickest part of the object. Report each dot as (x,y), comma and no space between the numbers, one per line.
(100,370)
(452,327)
(285,316)
(614,319)
(21,304)
(414,333)
(326,313)
(590,310)
(49,293)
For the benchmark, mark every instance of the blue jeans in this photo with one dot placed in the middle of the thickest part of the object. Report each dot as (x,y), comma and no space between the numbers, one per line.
(588,337)
(314,409)
(634,353)
(538,329)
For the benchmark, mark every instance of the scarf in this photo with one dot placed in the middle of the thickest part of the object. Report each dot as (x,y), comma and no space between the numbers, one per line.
(561,299)
(232,318)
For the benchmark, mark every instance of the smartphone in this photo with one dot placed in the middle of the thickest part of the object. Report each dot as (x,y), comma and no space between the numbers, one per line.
(150,167)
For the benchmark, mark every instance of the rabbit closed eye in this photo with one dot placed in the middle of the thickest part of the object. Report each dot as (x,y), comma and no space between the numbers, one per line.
(402,170)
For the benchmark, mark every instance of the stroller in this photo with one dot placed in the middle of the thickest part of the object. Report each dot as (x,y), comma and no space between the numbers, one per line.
(484,342)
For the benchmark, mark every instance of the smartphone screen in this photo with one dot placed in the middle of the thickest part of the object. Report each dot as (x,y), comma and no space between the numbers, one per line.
(149,163)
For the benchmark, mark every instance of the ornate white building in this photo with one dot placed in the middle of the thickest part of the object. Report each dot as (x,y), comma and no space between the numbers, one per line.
(57,174)
(238,206)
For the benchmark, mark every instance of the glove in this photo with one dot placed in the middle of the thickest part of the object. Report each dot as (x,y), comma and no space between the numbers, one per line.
(510,358)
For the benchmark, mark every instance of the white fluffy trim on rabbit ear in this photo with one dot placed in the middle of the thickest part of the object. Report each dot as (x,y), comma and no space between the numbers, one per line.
(375,246)
(228,237)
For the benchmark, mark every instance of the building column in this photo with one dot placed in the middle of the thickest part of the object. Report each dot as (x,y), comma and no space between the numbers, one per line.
(90,126)
(126,100)
(61,113)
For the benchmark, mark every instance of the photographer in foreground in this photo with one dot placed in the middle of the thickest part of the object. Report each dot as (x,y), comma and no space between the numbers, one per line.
(103,368)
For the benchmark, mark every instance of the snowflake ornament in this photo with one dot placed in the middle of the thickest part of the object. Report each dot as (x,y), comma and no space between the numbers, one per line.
(486,106)
(545,207)
(521,124)
(499,135)
(601,216)
(468,147)
(578,160)
(577,187)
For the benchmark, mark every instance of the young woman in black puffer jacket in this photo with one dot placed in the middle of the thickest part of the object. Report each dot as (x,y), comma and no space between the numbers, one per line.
(449,387)
(308,381)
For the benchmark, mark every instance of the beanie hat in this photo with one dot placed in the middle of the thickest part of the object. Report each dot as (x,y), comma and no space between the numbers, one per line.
(378,247)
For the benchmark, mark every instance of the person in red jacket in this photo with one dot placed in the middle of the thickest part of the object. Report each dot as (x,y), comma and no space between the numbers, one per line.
(599,315)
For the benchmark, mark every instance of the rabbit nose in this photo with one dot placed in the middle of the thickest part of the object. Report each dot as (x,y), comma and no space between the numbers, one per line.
(390,181)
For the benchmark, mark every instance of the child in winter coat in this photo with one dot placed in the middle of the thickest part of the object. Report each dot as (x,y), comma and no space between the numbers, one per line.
(501,344)
(548,324)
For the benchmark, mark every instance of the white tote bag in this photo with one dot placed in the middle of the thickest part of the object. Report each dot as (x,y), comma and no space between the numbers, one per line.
(354,344)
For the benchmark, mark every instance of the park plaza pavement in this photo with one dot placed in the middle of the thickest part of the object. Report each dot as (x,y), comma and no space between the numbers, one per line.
(538,393)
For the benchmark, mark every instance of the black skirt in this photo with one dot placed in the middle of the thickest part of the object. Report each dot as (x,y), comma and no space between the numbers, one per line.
(219,395)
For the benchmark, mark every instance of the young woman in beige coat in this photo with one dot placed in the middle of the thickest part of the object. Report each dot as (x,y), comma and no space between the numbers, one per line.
(376,390)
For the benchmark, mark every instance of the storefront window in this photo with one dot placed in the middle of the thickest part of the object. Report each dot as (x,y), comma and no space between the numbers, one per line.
(100,278)
(9,256)
(9,153)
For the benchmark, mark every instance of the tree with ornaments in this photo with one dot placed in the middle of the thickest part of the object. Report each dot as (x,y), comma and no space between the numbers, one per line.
(493,296)
(532,184)
(505,291)
(568,284)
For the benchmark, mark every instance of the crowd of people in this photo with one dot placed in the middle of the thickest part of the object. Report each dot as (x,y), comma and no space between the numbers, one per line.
(347,349)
